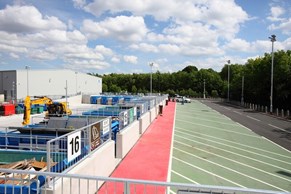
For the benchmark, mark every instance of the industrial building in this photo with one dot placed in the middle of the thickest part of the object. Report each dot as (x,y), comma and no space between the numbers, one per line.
(17,84)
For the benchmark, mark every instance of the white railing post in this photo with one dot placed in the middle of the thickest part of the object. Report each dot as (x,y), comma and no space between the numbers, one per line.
(266,109)
(126,188)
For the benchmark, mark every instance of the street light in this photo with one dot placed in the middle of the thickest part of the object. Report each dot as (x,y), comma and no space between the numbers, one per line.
(27,86)
(273,39)
(151,81)
(242,90)
(228,61)
(76,82)
(204,89)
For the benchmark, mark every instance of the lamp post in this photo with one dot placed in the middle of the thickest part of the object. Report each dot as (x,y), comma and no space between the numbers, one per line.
(242,90)
(228,80)
(204,89)
(76,82)
(273,39)
(151,81)
(27,83)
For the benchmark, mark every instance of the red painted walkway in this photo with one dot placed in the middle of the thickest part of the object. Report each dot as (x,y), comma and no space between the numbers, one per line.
(149,158)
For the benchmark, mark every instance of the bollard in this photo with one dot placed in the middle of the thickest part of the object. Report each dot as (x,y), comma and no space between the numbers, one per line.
(282,113)
(277,111)
(266,109)
(288,113)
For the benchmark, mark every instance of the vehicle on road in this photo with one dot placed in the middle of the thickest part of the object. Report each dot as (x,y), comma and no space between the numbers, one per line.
(183,99)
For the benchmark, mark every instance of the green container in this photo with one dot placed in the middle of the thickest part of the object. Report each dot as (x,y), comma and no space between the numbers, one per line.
(19,110)
(40,109)
(33,111)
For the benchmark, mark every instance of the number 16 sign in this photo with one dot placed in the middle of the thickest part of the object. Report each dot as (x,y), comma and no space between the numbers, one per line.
(74,145)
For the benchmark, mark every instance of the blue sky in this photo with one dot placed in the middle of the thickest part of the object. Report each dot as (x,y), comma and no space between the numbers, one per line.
(113,36)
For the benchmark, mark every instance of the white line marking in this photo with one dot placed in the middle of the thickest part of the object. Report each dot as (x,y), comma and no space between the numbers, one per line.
(253,118)
(172,192)
(244,127)
(209,172)
(235,171)
(199,114)
(234,161)
(225,108)
(184,177)
(278,128)
(279,167)
(237,112)
(223,123)
(220,139)
(277,145)
(171,150)
(186,121)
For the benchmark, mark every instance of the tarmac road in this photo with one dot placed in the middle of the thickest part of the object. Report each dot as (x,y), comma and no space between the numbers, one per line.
(275,129)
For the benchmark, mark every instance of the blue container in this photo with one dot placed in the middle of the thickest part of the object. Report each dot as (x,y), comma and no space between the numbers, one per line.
(104,100)
(94,99)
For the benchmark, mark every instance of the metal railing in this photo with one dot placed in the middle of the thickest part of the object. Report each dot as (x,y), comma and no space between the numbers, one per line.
(59,183)
(65,151)
(20,141)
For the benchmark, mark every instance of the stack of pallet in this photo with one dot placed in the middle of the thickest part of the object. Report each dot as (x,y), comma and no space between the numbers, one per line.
(23,178)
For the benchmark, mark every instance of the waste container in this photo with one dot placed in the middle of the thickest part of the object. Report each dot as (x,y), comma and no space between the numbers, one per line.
(160,109)
(167,102)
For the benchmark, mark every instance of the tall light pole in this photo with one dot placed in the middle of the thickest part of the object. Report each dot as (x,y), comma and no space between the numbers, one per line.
(204,89)
(76,82)
(151,81)
(242,89)
(27,86)
(228,61)
(273,39)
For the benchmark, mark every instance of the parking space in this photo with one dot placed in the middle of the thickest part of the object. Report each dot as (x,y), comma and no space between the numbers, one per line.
(209,148)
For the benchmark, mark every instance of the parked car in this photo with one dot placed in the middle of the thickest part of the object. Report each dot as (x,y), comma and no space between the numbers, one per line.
(181,98)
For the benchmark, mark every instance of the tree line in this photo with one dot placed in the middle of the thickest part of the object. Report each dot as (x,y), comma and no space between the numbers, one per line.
(252,79)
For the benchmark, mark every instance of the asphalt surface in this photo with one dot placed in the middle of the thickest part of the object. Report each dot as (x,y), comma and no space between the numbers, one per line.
(276,129)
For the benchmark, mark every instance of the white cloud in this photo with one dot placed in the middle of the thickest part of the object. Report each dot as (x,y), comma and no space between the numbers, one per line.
(130,59)
(123,28)
(25,31)
(276,12)
(41,55)
(238,45)
(103,50)
(225,16)
(82,65)
(145,47)
(79,3)
(115,59)
(285,26)
(13,55)
(27,19)
(169,48)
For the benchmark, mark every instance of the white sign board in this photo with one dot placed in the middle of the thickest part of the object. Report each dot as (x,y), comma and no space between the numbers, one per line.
(73,145)
(106,126)
(125,118)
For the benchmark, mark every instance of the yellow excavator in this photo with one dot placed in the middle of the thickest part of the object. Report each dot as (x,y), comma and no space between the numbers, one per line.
(55,109)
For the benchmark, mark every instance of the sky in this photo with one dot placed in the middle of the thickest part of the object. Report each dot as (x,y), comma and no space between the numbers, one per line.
(114,36)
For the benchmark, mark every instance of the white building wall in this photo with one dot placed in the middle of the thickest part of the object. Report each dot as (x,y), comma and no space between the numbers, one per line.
(53,83)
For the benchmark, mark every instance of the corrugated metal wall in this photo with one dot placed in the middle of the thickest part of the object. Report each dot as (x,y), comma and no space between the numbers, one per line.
(48,83)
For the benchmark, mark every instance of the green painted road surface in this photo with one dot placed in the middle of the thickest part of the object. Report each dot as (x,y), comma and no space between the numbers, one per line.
(211,149)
